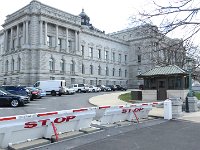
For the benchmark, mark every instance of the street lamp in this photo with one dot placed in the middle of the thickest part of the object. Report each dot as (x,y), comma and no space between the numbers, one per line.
(189,68)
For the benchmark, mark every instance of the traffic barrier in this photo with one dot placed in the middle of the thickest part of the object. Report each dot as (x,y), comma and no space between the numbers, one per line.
(113,114)
(17,129)
(21,128)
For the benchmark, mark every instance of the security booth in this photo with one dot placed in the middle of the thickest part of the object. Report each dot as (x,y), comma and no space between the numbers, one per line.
(161,83)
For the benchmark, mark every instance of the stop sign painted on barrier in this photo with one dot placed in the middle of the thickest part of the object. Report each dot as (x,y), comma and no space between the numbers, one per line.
(131,110)
(44,122)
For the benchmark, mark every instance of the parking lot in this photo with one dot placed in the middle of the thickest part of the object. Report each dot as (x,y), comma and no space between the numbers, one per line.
(51,103)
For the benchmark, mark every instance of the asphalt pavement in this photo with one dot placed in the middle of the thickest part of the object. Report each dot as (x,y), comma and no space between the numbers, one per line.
(153,134)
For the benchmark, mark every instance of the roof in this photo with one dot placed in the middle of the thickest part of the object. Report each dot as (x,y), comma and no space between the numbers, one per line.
(167,70)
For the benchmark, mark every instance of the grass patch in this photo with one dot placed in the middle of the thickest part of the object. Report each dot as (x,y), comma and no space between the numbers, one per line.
(197,94)
(125,97)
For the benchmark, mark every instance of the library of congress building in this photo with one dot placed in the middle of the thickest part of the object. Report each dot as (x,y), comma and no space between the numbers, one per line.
(39,42)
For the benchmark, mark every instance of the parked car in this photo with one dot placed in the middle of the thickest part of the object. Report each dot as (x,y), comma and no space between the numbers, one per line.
(112,87)
(69,90)
(35,93)
(18,90)
(94,89)
(81,88)
(42,92)
(121,88)
(104,88)
(7,98)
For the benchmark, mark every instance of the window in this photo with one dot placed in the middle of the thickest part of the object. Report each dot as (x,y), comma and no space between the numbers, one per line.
(125,58)
(99,54)
(113,71)
(72,67)
(107,71)
(91,69)
(12,65)
(125,73)
(19,64)
(20,41)
(82,50)
(69,45)
(6,66)
(139,58)
(91,82)
(49,41)
(120,58)
(62,65)
(52,78)
(90,52)
(51,64)
(119,72)
(83,69)
(59,43)
(113,56)
(106,55)
(99,70)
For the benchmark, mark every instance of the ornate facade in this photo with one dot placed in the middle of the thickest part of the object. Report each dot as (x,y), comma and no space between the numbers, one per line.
(39,42)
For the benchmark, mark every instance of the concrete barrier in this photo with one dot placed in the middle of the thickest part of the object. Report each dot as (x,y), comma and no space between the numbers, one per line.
(17,129)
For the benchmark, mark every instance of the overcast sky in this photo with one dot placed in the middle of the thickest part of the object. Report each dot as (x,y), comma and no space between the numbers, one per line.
(107,15)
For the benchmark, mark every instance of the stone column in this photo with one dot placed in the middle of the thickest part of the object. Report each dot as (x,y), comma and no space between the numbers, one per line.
(17,36)
(41,22)
(76,41)
(192,102)
(45,33)
(11,38)
(27,33)
(56,42)
(176,107)
(67,46)
(24,33)
(5,40)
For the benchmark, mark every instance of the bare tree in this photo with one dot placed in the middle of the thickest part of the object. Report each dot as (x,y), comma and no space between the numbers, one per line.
(177,17)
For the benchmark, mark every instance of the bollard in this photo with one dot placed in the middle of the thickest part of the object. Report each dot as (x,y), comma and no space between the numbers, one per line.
(167,109)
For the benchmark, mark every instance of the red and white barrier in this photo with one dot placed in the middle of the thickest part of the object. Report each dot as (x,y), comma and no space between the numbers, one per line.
(17,129)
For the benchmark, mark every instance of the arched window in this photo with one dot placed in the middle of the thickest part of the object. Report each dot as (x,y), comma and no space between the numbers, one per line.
(6,66)
(99,70)
(91,69)
(83,69)
(62,65)
(72,67)
(125,73)
(113,71)
(119,72)
(107,71)
(19,64)
(12,65)
(51,64)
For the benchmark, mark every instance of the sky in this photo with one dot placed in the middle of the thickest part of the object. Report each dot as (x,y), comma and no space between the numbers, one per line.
(106,15)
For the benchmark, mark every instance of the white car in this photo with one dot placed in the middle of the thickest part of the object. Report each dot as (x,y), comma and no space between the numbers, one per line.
(94,89)
(69,90)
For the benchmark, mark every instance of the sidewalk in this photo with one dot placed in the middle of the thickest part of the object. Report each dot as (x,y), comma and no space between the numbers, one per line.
(112,99)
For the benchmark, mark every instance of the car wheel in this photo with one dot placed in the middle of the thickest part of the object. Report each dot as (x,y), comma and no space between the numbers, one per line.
(67,92)
(59,94)
(14,103)
(53,93)
(79,90)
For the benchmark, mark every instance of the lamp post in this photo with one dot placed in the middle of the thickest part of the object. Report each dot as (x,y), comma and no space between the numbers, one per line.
(189,68)
(190,94)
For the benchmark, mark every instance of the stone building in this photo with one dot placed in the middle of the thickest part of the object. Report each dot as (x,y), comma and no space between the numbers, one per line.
(39,42)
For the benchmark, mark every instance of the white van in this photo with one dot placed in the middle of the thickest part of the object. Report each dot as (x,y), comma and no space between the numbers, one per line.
(53,87)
